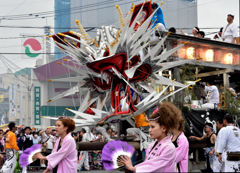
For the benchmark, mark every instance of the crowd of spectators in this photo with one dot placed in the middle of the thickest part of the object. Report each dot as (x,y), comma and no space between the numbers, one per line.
(47,139)
(228,33)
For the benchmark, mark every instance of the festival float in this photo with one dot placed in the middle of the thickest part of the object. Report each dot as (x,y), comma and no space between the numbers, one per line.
(122,64)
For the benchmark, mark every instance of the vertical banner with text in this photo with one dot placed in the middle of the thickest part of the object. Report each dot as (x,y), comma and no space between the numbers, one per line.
(37,105)
(12,101)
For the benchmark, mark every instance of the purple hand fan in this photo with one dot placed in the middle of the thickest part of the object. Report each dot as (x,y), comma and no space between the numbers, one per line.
(112,152)
(27,156)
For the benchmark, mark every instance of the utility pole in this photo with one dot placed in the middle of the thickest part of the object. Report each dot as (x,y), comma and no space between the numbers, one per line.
(21,105)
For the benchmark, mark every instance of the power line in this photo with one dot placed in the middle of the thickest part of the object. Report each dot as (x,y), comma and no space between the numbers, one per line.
(6,53)
(54,11)
(15,8)
(42,27)
(25,3)
(213,28)
(61,10)
(89,27)
(19,37)
(66,13)
(26,16)
(5,61)
(12,65)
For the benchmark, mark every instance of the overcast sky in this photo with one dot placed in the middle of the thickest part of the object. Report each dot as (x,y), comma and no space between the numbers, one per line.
(211,13)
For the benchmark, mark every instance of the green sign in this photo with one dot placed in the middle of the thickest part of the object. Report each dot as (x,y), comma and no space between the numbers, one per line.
(37,105)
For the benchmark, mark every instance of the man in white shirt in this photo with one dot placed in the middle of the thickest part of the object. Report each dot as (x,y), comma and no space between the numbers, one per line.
(230,142)
(217,166)
(194,32)
(213,95)
(83,157)
(47,137)
(230,30)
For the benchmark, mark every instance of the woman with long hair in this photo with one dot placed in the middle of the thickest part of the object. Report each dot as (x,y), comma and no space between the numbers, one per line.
(181,143)
(64,155)
(160,155)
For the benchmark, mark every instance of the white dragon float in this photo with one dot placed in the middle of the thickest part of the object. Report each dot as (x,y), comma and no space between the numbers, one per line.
(111,66)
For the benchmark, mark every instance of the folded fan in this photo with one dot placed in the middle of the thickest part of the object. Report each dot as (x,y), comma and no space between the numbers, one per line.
(27,156)
(112,152)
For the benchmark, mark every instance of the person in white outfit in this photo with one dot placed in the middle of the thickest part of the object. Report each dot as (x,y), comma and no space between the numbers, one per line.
(83,158)
(194,32)
(213,94)
(230,142)
(230,30)
(217,166)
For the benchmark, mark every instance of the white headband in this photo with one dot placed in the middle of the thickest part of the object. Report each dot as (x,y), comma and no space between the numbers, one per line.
(195,29)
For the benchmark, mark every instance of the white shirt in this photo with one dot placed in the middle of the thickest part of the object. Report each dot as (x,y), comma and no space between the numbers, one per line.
(27,136)
(213,93)
(88,136)
(50,141)
(230,32)
(229,141)
(218,138)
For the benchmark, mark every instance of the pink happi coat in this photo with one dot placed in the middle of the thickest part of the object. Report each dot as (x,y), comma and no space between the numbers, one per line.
(65,157)
(162,158)
(182,152)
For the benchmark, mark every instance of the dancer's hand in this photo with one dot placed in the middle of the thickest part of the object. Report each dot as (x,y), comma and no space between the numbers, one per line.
(211,153)
(40,156)
(128,163)
(46,171)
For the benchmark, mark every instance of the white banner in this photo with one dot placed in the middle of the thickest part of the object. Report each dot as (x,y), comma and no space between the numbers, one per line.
(12,101)
(32,48)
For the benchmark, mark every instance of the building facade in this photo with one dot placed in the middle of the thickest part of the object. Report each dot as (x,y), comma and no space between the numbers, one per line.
(16,97)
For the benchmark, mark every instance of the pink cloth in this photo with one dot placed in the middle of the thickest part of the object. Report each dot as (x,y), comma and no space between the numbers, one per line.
(182,152)
(159,159)
(65,157)
(2,142)
(155,110)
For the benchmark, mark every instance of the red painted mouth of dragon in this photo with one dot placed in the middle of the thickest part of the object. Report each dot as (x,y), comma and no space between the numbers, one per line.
(120,64)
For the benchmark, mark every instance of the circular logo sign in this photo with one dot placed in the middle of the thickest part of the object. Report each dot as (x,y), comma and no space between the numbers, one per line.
(32,47)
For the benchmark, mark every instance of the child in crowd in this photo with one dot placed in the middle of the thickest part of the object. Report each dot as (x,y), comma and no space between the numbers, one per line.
(44,150)
(94,158)
(36,138)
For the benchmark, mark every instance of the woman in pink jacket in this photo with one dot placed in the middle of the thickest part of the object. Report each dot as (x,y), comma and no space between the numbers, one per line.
(161,155)
(63,158)
(181,143)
